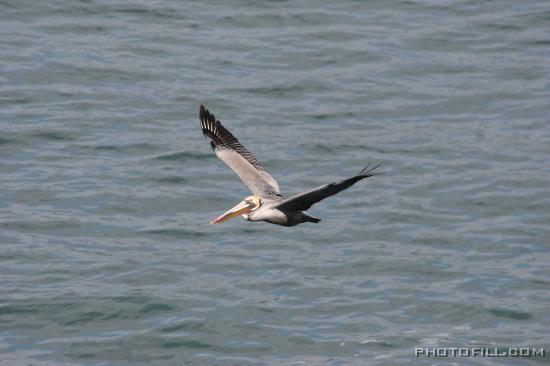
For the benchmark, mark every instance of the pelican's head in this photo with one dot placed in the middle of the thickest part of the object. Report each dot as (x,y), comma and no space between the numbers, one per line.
(247,205)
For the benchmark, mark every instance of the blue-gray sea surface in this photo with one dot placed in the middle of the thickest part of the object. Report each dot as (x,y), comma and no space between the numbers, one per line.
(107,185)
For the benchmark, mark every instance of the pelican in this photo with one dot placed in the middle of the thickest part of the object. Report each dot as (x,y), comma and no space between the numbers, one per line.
(266,202)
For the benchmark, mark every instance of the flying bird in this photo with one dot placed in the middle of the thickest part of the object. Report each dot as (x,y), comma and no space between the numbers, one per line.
(266,202)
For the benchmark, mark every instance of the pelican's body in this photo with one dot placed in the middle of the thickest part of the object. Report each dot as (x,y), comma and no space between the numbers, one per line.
(270,212)
(266,202)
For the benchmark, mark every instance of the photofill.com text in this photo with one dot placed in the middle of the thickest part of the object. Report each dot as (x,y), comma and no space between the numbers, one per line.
(479,352)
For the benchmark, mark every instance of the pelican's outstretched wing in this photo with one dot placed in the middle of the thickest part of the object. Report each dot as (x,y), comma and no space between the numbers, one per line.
(237,157)
(303,201)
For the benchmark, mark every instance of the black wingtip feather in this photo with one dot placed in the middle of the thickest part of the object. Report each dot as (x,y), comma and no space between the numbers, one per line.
(208,122)
(221,138)
(205,115)
(371,172)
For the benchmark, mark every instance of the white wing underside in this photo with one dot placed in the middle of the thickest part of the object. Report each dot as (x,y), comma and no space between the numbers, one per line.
(259,182)
(237,157)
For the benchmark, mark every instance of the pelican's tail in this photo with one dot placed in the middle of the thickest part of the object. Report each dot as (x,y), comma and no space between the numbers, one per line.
(307,218)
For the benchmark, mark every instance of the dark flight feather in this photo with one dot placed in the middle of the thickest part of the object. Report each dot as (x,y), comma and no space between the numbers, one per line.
(304,201)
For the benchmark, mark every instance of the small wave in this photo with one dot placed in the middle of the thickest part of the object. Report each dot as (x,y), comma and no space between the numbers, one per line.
(182,326)
(33,226)
(186,344)
(165,13)
(329,116)
(7,140)
(335,148)
(287,90)
(155,306)
(53,135)
(177,233)
(184,155)
(142,146)
(172,180)
(510,314)
(90,316)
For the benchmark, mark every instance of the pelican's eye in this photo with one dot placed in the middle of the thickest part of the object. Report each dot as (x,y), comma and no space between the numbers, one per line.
(254,202)
(257,202)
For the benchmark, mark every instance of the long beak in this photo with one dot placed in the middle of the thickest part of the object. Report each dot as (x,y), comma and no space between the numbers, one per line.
(240,209)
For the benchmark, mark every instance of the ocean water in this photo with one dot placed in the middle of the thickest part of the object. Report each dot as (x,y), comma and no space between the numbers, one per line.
(107,185)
